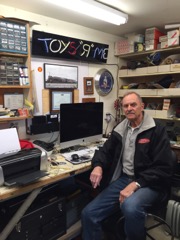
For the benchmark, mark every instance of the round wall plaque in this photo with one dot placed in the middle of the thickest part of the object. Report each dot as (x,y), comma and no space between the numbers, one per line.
(104,82)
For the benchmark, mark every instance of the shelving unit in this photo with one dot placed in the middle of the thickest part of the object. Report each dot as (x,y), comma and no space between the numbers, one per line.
(18,55)
(144,75)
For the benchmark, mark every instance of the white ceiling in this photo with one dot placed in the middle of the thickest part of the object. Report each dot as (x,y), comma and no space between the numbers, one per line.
(142,14)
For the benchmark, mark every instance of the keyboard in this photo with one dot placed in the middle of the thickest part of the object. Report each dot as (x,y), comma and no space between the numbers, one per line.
(85,155)
(46,146)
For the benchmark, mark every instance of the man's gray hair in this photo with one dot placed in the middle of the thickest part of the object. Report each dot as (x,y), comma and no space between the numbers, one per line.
(129,93)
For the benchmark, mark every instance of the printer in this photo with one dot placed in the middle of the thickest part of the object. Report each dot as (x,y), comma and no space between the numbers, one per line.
(23,167)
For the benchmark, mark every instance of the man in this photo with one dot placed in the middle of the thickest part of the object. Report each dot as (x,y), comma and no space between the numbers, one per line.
(135,165)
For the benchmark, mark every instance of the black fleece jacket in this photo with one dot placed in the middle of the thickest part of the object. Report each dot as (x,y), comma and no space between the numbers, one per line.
(153,163)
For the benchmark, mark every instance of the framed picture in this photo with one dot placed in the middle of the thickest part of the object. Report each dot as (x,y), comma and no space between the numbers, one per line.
(57,97)
(84,100)
(60,76)
(88,85)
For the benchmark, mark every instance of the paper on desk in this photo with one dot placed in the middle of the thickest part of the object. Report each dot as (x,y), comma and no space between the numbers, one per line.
(9,141)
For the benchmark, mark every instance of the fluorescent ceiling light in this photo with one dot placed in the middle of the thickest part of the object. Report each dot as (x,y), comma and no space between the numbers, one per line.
(169,26)
(93,9)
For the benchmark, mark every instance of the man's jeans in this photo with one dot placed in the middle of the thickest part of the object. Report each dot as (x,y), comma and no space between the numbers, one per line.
(107,202)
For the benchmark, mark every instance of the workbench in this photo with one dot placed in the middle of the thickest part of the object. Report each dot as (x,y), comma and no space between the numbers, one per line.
(57,173)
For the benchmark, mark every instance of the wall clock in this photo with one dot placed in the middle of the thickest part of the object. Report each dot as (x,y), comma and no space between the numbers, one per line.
(104,82)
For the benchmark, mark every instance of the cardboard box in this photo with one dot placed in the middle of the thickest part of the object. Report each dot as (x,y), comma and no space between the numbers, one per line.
(123,46)
(133,37)
(151,45)
(173,42)
(153,33)
(164,68)
(173,33)
(164,44)
(166,104)
(163,38)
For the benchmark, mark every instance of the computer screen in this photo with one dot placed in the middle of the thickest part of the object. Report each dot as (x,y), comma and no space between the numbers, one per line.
(80,123)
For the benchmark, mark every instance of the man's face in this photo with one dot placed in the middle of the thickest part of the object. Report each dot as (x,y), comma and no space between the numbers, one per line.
(132,107)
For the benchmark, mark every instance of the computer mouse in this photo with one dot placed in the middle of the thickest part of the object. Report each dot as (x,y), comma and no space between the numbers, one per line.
(75,157)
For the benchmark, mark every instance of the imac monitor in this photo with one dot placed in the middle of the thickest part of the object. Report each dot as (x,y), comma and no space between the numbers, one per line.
(80,123)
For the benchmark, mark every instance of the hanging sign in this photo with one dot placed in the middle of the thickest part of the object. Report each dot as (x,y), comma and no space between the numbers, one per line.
(56,46)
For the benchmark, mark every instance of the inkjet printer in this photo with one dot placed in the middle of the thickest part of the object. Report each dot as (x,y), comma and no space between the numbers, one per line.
(23,167)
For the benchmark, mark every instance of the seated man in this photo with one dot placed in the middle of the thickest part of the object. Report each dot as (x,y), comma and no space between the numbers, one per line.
(134,167)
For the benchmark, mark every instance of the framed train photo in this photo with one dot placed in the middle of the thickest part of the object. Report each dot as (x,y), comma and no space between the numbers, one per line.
(60,76)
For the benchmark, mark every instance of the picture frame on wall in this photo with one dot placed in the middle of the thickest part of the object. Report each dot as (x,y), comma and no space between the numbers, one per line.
(88,85)
(60,76)
(57,97)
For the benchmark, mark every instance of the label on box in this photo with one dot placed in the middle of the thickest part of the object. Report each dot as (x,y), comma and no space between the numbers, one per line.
(163,38)
(166,104)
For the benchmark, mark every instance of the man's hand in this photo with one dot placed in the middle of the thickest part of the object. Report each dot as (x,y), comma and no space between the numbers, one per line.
(96,176)
(127,191)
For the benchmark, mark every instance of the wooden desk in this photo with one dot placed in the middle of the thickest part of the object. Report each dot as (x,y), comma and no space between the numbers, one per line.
(56,173)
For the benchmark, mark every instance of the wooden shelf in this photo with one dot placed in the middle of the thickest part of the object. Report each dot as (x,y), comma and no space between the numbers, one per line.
(7,119)
(154,93)
(164,51)
(21,58)
(13,54)
(15,86)
(149,74)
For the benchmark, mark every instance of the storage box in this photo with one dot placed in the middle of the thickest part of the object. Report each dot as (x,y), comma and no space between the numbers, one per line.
(166,104)
(123,46)
(153,33)
(133,37)
(163,38)
(151,45)
(173,42)
(164,68)
(173,33)
(175,67)
(164,44)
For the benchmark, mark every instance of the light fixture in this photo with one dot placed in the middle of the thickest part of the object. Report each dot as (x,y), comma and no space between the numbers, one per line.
(170,26)
(93,9)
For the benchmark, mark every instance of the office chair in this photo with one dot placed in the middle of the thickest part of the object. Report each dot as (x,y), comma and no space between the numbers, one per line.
(155,218)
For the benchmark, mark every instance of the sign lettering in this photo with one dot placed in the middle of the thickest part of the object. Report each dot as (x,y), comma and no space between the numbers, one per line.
(51,45)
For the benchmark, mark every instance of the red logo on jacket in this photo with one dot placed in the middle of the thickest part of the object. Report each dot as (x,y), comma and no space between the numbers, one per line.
(144,140)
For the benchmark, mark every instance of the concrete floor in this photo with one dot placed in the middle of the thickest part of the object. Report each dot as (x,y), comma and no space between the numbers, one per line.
(159,233)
